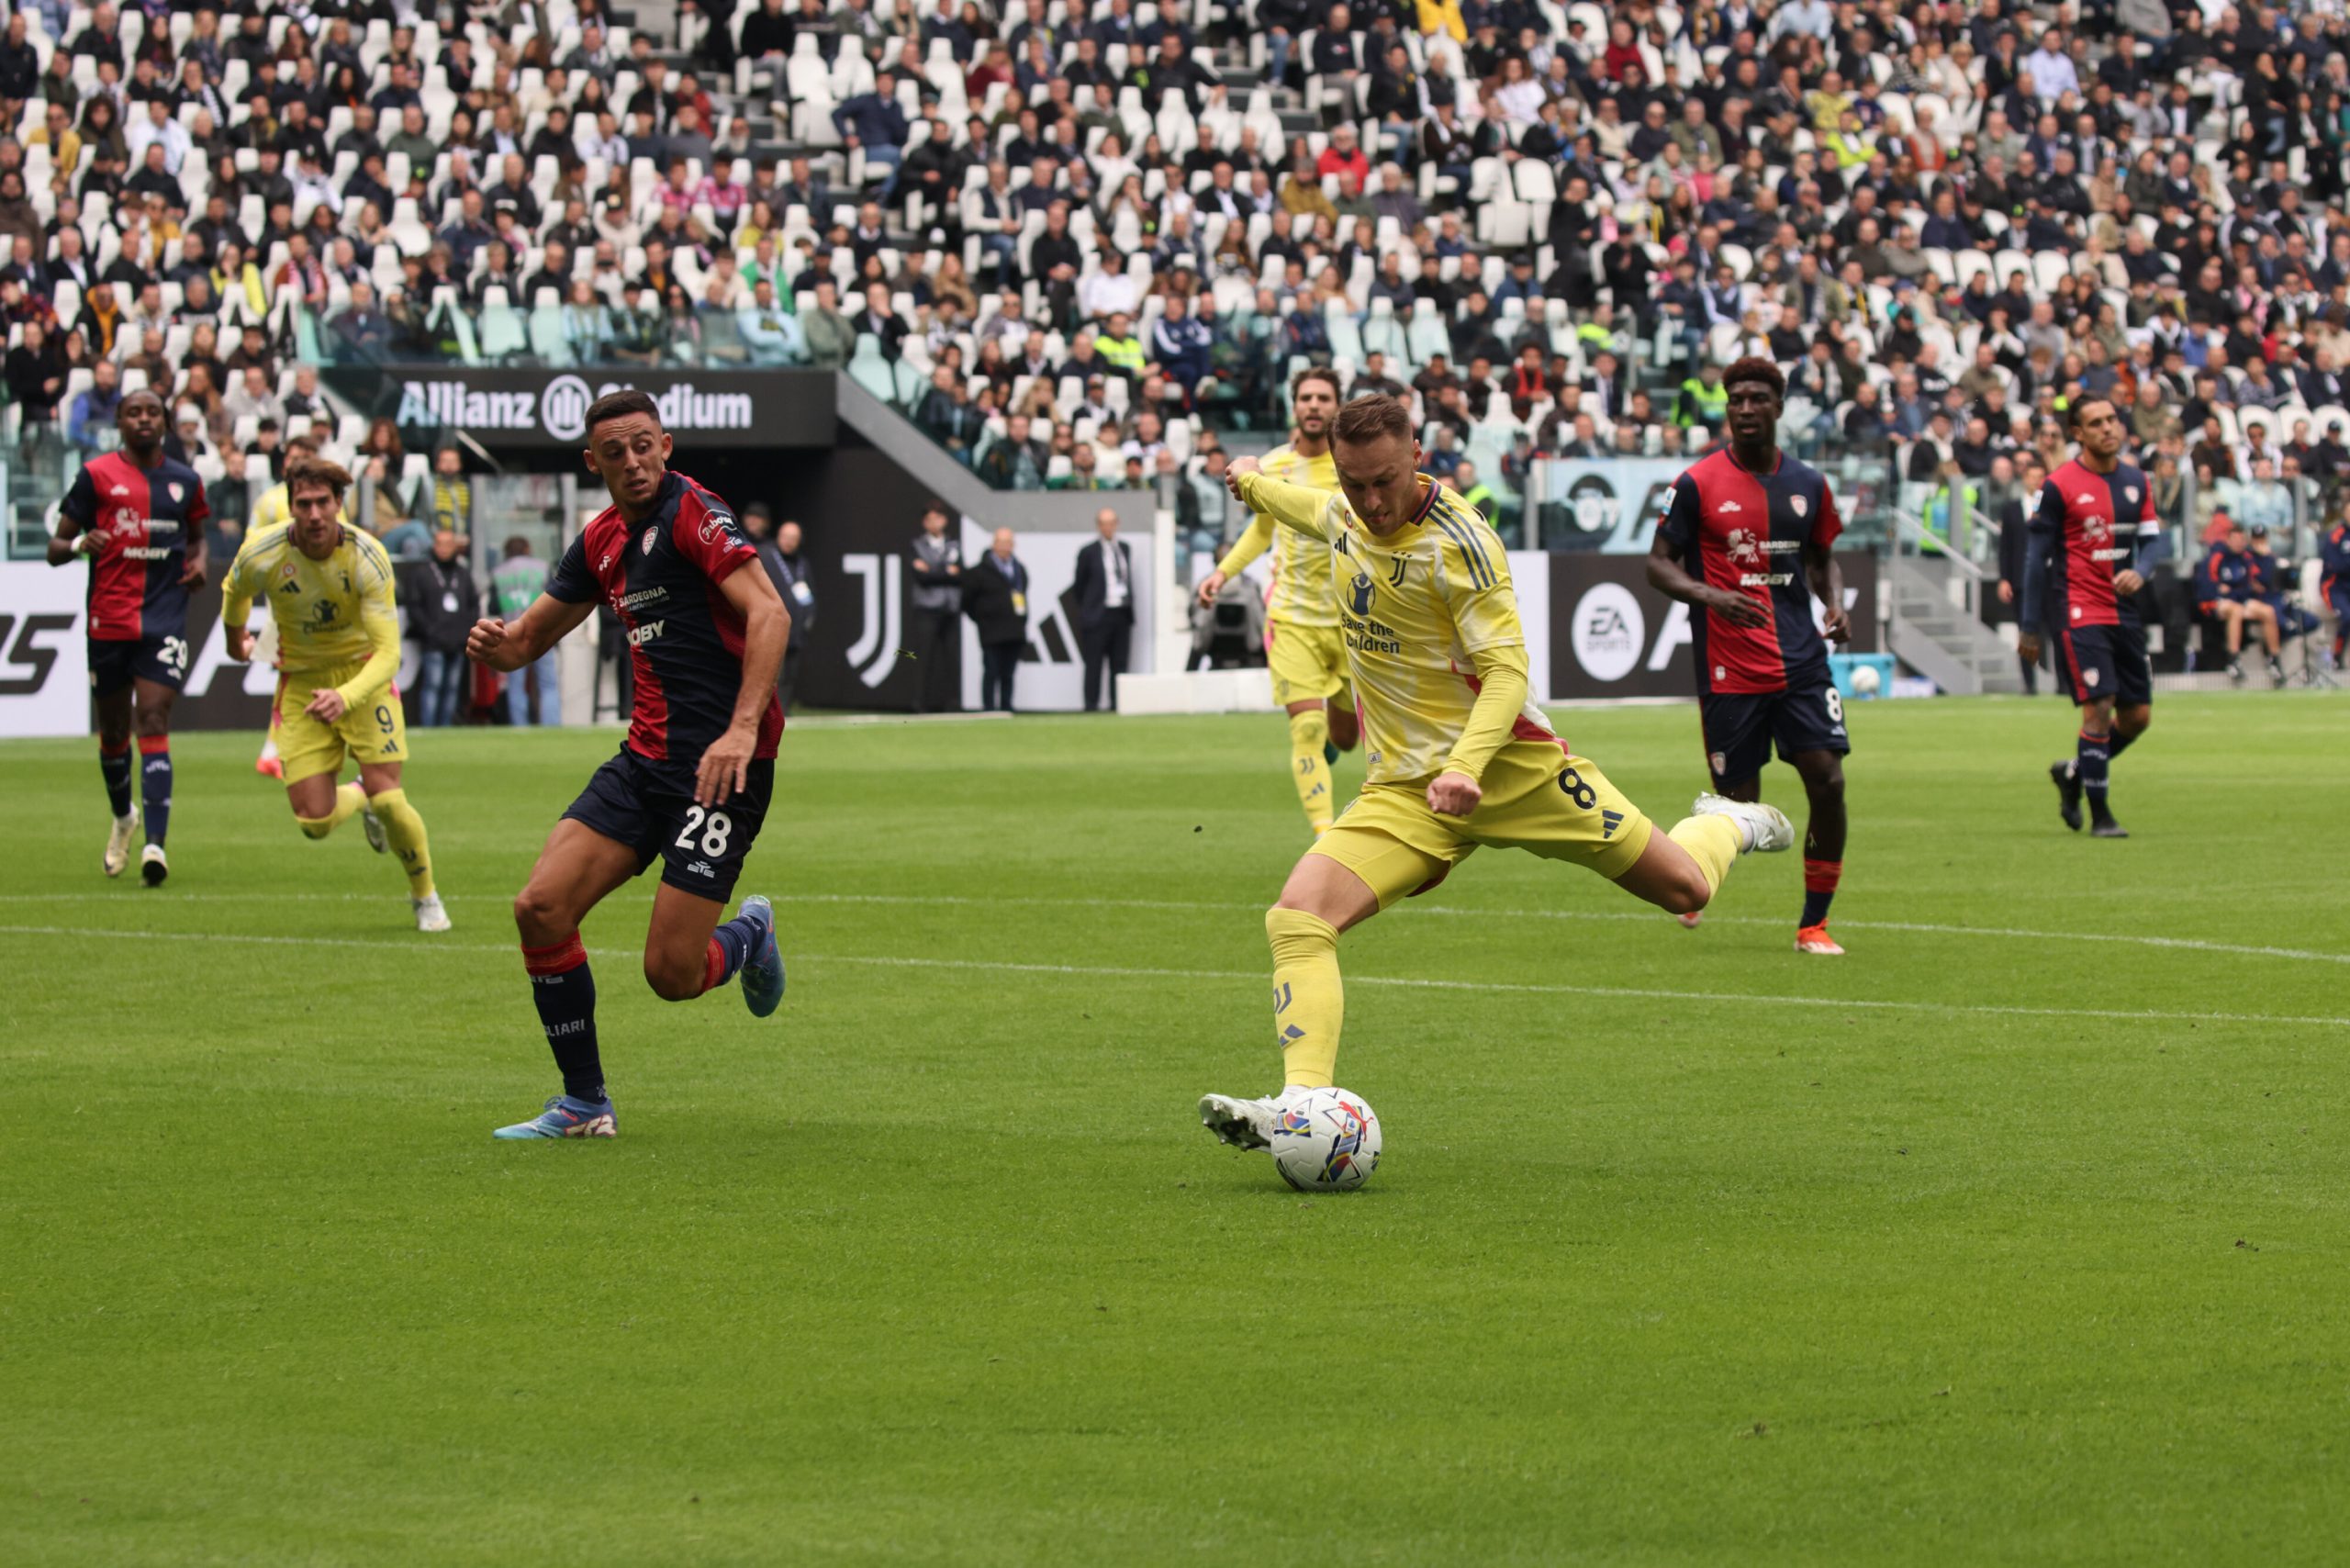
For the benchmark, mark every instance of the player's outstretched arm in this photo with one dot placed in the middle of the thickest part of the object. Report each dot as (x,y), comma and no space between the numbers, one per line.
(1254,541)
(1291,506)
(506,647)
(767,627)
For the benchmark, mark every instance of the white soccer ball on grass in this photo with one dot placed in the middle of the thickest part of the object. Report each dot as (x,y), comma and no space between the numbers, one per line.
(1865,680)
(1325,1140)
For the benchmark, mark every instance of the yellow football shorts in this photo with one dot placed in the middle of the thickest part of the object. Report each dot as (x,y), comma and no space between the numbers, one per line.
(1538,798)
(370,732)
(1306,662)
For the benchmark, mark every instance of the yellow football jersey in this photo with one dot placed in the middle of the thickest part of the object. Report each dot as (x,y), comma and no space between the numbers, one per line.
(335,612)
(1419,611)
(1300,592)
(272,510)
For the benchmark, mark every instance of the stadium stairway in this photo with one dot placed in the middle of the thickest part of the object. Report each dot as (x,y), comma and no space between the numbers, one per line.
(1931,630)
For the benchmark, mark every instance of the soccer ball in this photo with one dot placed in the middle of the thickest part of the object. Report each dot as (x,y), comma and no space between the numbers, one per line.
(1866,681)
(1325,1140)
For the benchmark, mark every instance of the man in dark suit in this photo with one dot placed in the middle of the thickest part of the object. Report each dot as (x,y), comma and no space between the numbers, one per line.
(2015,524)
(1105,607)
(995,595)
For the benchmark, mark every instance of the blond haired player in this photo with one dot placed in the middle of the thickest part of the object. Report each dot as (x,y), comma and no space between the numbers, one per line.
(1307,661)
(330,591)
(1458,755)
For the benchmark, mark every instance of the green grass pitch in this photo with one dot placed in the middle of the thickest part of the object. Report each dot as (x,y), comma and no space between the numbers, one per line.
(1686,1248)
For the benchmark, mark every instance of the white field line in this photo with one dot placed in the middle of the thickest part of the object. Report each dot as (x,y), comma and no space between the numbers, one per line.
(429,947)
(2000,933)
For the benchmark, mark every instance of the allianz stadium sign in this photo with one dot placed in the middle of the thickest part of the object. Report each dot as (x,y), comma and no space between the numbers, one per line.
(519,407)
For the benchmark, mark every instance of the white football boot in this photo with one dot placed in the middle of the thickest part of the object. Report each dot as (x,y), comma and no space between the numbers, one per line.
(1245,1123)
(1762,828)
(152,866)
(430,913)
(118,858)
(373,827)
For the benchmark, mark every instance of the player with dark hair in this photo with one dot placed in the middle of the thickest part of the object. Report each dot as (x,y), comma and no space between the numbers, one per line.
(329,589)
(691,782)
(1303,650)
(1459,756)
(2094,540)
(1736,527)
(137,516)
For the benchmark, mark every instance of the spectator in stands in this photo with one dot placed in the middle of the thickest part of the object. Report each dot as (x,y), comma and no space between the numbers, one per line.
(875,123)
(443,604)
(89,425)
(452,500)
(1473,490)
(770,333)
(1084,471)
(2263,505)
(36,374)
(880,319)
(832,339)
(1016,462)
(231,499)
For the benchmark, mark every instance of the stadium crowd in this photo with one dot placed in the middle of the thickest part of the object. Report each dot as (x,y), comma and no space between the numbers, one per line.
(1073,244)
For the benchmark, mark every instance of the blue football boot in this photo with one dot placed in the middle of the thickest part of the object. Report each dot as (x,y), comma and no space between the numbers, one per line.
(567,1117)
(763,967)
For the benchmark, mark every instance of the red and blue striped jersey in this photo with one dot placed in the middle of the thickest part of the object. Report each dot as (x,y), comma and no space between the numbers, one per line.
(661,578)
(142,519)
(2096,525)
(1746,533)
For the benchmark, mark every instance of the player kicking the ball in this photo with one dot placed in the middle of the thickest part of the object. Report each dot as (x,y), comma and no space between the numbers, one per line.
(1734,531)
(138,517)
(690,784)
(1303,650)
(1458,755)
(329,587)
(2094,539)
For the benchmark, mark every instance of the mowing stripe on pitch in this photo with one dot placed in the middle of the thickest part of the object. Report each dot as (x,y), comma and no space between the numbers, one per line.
(427,947)
(1644,916)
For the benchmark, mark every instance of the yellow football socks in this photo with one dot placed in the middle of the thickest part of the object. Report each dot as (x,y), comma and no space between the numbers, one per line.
(1712,842)
(1308,732)
(1309,1000)
(347,802)
(405,829)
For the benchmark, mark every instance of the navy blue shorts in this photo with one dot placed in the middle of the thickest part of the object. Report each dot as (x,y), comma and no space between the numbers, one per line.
(701,850)
(1742,727)
(116,664)
(2105,660)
